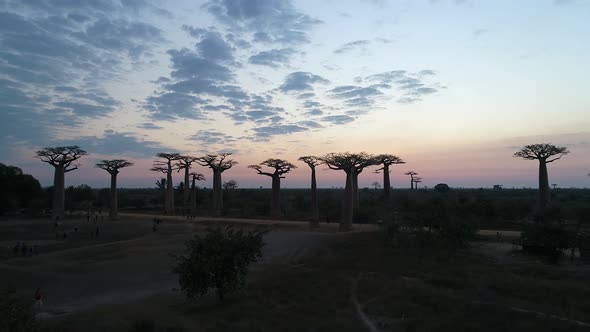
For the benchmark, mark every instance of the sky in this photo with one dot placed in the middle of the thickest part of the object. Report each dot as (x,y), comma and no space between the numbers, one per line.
(453,87)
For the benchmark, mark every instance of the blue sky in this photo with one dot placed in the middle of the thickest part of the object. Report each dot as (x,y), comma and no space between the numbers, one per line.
(453,87)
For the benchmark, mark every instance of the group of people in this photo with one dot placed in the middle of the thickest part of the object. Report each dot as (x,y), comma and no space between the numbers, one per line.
(24,249)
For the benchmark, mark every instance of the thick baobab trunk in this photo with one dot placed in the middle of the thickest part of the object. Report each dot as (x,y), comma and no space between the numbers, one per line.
(114,214)
(386,183)
(411,183)
(275,210)
(169,192)
(544,193)
(217,194)
(186,188)
(315,210)
(58,192)
(347,207)
(355,189)
(194,197)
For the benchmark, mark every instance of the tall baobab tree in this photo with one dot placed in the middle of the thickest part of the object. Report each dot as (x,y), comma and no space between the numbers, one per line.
(387,160)
(411,174)
(545,153)
(184,163)
(193,200)
(113,167)
(166,166)
(280,167)
(218,164)
(417,180)
(349,163)
(362,160)
(61,158)
(312,162)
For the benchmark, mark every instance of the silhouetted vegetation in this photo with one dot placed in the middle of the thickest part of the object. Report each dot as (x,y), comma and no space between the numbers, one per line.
(17,190)
(219,261)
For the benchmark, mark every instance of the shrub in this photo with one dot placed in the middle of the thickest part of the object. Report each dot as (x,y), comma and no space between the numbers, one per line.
(456,231)
(545,238)
(16,315)
(442,187)
(219,261)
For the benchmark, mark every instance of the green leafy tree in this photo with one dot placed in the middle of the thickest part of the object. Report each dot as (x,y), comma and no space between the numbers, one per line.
(219,260)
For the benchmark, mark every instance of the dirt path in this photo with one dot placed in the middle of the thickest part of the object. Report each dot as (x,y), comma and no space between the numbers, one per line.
(81,278)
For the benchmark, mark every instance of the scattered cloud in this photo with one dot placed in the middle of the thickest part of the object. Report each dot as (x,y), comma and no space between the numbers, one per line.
(301,81)
(358,44)
(272,58)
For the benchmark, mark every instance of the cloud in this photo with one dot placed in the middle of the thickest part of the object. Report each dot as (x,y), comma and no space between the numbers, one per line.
(173,105)
(307,95)
(337,119)
(301,81)
(46,43)
(115,143)
(412,86)
(149,126)
(349,91)
(272,58)
(271,21)
(265,133)
(351,46)
(210,137)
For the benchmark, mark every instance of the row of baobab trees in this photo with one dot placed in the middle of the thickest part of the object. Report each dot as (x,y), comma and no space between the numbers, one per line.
(352,164)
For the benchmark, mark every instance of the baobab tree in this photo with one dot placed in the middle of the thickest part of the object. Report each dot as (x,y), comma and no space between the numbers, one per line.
(166,166)
(113,167)
(218,164)
(280,167)
(349,163)
(362,160)
(61,158)
(411,174)
(545,153)
(184,163)
(312,162)
(417,180)
(193,200)
(387,160)
(376,185)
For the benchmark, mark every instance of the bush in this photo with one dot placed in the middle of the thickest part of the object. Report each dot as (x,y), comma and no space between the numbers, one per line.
(16,315)
(219,261)
(442,187)
(456,231)
(546,238)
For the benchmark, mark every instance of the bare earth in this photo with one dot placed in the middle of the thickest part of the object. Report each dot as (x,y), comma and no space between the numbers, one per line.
(127,261)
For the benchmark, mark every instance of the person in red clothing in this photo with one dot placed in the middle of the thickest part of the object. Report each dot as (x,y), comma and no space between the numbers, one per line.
(38,299)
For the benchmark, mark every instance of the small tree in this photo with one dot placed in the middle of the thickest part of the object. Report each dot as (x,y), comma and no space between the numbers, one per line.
(376,185)
(442,188)
(230,185)
(218,261)
(195,177)
(62,159)
(312,162)
(280,167)
(417,180)
(411,174)
(184,163)
(218,164)
(166,166)
(113,167)
(387,160)
(545,153)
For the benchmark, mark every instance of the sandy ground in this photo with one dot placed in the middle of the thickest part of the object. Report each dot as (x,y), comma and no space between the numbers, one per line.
(128,261)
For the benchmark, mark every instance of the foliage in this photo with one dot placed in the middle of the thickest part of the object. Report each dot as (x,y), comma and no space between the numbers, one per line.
(17,189)
(547,238)
(442,188)
(219,260)
(230,185)
(16,315)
